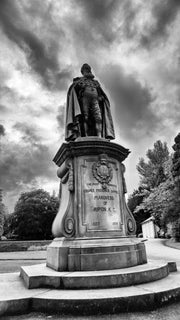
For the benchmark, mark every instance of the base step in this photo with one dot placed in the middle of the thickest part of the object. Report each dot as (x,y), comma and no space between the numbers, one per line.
(15,298)
(38,276)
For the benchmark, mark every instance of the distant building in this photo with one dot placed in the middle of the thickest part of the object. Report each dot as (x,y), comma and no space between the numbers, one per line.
(149,229)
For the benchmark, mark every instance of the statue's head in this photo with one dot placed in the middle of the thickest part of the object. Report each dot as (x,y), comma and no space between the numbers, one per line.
(85,69)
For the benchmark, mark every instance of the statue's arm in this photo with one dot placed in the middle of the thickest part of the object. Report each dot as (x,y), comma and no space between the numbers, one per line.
(101,94)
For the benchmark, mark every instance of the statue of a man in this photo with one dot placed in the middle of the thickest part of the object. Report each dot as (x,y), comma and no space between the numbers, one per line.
(88,109)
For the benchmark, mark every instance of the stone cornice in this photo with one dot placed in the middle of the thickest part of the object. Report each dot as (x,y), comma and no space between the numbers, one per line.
(89,146)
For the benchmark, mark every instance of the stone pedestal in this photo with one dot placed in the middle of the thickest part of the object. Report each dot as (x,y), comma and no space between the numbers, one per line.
(95,254)
(94,225)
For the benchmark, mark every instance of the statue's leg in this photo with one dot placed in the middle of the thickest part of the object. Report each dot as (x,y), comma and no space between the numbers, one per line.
(97,117)
(85,107)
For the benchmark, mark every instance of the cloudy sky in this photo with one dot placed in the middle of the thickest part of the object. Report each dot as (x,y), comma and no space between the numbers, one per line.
(133,47)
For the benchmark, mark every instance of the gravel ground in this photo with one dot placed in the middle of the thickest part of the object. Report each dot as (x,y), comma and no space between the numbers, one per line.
(171,312)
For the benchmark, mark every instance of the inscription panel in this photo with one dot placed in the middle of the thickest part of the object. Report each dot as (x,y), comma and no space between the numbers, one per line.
(101,202)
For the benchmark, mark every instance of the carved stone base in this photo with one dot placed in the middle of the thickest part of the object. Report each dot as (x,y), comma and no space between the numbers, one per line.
(94,227)
(92,190)
(95,254)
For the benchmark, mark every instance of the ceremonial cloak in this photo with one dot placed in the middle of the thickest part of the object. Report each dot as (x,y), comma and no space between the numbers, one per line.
(74,116)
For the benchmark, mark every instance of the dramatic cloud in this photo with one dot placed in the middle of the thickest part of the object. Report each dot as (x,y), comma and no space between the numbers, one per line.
(25,162)
(132,101)
(61,117)
(2,130)
(3,109)
(28,132)
(133,48)
(114,21)
(23,166)
(164,13)
(42,56)
(100,17)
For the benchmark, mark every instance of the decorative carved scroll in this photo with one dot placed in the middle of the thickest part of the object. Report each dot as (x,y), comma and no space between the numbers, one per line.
(123,169)
(66,174)
(64,224)
(129,219)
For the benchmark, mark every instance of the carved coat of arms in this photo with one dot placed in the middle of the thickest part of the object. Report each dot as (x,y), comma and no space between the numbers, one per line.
(102,171)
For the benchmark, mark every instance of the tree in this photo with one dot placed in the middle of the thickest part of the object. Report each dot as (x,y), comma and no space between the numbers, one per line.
(160,182)
(2,218)
(2,214)
(155,184)
(33,215)
(175,213)
(135,200)
(7,226)
(162,200)
(152,172)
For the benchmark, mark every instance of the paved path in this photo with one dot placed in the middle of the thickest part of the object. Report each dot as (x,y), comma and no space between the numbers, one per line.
(165,313)
(157,250)
(12,261)
(23,255)
(170,243)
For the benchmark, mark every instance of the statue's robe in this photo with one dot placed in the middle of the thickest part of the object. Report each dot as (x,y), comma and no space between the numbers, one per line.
(74,117)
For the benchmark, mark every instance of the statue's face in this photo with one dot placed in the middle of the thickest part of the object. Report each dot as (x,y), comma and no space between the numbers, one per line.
(86,69)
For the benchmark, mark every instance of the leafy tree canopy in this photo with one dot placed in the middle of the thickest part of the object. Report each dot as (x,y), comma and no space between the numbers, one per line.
(2,218)
(161,201)
(33,215)
(134,201)
(152,172)
(158,194)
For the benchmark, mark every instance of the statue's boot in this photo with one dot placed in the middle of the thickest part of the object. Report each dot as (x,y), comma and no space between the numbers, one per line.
(99,130)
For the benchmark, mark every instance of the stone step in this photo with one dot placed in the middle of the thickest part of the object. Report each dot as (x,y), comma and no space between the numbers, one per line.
(38,276)
(108,301)
(15,298)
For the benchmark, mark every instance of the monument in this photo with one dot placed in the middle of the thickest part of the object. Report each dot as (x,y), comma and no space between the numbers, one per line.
(94,228)
(95,253)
